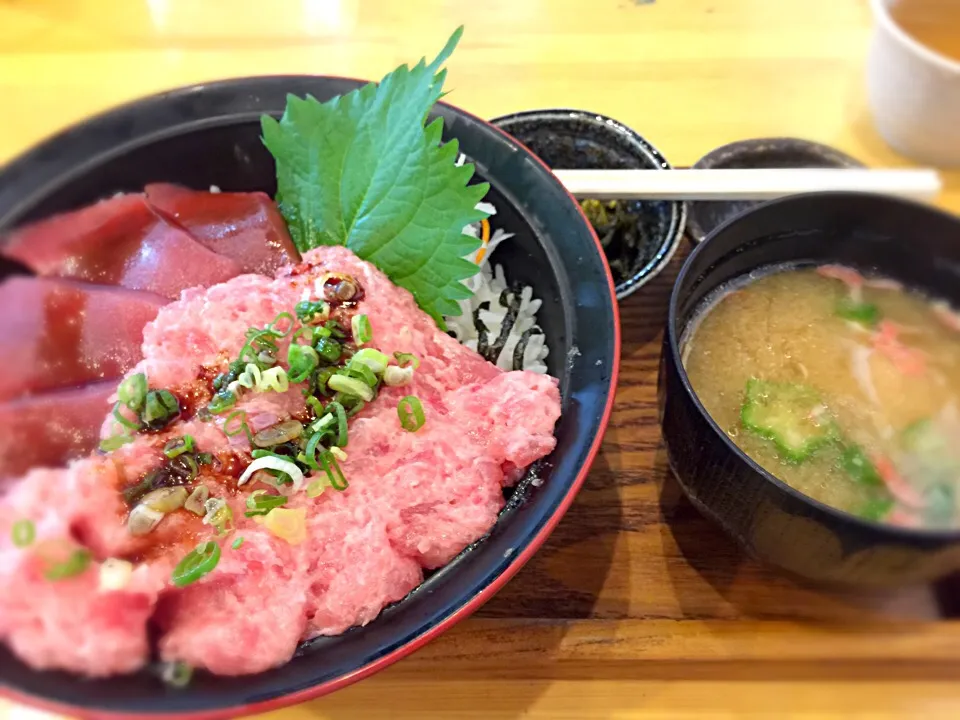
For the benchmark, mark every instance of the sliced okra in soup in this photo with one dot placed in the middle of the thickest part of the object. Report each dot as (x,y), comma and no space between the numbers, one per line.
(792,416)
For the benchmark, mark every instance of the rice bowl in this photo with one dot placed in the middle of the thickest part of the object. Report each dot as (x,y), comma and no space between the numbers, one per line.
(508,535)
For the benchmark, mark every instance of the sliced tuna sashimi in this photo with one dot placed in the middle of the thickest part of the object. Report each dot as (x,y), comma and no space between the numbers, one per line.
(244,226)
(59,333)
(119,241)
(51,428)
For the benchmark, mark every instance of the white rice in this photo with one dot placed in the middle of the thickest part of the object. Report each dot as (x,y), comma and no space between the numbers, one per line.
(494,304)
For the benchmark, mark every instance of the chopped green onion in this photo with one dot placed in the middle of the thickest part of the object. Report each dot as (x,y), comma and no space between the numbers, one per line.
(221,402)
(178,446)
(205,458)
(341,414)
(126,422)
(310,451)
(160,408)
(361,372)
(276,331)
(395,376)
(114,442)
(274,379)
(352,403)
(312,312)
(196,564)
(303,360)
(333,328)
(411,413)
(328,350)
(251,377)
(259,503)
(373,359)
(241,425)
(185,467)
(133,391)
(237,543)
(315,405)
(24,532)
(218,514)
(331,466)
(323,377)
(74,565)
(407,359)
(176,674)
(351,386)
(362,333)
(273,462)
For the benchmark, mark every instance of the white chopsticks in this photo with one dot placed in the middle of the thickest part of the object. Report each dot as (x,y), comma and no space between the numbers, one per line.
(748,184)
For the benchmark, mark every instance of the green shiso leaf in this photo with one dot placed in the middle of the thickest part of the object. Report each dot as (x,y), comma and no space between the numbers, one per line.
(363,170)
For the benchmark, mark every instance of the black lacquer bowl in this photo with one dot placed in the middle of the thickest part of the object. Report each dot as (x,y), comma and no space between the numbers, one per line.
(913,243)
(580,140)
(210,135)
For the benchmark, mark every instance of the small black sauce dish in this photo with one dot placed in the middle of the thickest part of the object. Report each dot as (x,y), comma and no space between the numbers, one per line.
(706,216)
(639,237)
(913,243)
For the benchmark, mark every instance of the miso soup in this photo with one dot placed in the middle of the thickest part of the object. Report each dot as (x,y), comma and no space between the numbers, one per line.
(845,387)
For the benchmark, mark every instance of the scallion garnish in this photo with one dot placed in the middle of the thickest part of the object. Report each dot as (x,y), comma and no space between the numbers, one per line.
(218,514)
(310,313)
(236,423)
(334,474)
(184,466)
(74,565)
(333,329)
(221,402)
(178,446)
(133,391)
(405,359)
(115,442)
(395,376)
(205,458)
(323,377)
(329,350)
(160,408)
(361,372)
(196,564)
(274,379)
(273,462)
(274,327)
(373,359)
(362,332)
(125,421)
(341,415)
(24,532)
(303,360)
(237,543)
(259,503)
(315,405)
(351,386)
(410,412)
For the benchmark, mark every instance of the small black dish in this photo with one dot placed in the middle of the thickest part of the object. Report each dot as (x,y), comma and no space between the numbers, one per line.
(210,135)
(913,243)
(576,139)
(706,216)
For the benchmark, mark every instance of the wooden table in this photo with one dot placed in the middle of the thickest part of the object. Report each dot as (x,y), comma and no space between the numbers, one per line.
(636,607)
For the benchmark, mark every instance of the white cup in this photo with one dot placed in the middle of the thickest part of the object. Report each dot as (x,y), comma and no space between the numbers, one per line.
(914,93)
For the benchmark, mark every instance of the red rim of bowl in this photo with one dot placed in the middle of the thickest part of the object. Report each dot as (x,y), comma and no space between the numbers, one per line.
(455,617)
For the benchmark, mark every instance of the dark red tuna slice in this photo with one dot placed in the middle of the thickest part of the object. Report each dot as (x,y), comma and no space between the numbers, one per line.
(244,226)
(119,241)
(52,428)
(58,333)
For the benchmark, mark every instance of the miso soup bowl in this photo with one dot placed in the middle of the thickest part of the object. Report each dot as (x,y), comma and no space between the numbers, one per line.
(915,244)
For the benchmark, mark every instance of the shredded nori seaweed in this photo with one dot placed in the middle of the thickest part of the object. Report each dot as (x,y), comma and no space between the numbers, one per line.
(521,347)
(481,329)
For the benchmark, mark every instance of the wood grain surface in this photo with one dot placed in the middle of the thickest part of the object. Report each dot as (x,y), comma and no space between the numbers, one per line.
(636,607)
